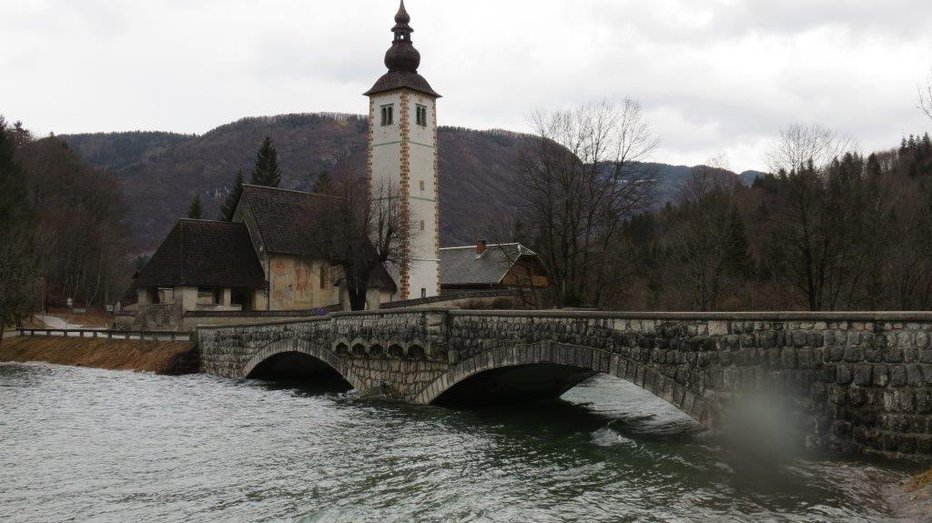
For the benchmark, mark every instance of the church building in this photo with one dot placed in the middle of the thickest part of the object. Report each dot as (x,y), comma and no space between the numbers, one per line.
(265,259)
(403,161)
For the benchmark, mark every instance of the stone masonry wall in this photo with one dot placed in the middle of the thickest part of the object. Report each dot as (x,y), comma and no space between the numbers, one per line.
(862,380)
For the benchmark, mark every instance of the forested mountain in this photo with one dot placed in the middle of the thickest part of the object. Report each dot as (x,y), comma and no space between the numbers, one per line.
(160,173)
(829,231)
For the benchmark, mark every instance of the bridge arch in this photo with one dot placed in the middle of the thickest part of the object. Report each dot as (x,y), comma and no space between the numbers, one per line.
(568,365)
(319,358)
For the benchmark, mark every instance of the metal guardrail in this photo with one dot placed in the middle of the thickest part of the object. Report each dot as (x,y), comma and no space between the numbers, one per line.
(111,334)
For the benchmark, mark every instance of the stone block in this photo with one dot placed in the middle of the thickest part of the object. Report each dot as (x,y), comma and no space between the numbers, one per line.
(894,354)
(843,375)
(863,375)
(880,375)
(856,397)
(914,375)
(898,376)
(853,354)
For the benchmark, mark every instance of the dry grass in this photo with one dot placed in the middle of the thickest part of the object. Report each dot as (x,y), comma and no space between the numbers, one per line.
(921,481)
(93,317)
(149,356)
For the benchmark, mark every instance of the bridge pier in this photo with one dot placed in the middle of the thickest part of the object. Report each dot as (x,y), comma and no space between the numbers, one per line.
(863,380)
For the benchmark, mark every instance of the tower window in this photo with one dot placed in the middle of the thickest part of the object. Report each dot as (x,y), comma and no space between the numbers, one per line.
(388,116)
(422,225)
(421,115)
(422,185)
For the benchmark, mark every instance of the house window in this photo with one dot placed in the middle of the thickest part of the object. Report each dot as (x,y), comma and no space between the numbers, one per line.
(207,296)
(324,276)
(388,116)
(421,115)
(423,293)
(165,295)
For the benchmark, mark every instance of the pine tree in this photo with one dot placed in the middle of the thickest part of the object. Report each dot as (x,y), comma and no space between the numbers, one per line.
(17,261)
(229,205)
(195,212)
(266,171)
(322,185)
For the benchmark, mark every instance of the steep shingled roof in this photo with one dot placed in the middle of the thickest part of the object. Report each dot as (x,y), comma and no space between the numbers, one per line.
(202,253)
(462,266)
(284,217)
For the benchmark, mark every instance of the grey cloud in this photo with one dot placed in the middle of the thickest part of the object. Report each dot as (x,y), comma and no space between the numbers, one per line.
(715,75)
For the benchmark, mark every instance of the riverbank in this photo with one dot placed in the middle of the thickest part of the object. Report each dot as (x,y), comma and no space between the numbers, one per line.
(912,499)
(160,357)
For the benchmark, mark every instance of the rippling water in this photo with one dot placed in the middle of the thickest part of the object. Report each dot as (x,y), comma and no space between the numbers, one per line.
(92,445)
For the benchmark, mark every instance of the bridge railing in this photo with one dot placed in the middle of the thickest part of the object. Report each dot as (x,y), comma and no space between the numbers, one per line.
(111,334)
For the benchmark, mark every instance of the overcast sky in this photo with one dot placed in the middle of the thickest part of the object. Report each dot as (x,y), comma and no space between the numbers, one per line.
(714,76)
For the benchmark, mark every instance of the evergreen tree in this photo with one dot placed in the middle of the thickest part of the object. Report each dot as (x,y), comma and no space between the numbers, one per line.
(229,205)
(17,261)
(195,212)
(266,171)
(322,185)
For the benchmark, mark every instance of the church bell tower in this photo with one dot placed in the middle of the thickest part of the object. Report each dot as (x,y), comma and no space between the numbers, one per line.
(403,160)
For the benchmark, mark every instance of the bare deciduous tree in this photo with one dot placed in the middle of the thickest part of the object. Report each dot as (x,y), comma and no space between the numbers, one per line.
(582,177)
(800,145)
(707,237)
(360,232)
(925,97)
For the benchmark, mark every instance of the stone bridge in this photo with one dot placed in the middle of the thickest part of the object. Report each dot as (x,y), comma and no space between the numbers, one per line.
(860,380)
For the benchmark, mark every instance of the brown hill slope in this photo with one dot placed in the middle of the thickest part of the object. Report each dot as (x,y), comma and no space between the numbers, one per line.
(160,173)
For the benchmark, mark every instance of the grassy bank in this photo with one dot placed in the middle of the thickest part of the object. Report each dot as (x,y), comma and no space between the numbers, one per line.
(162,357)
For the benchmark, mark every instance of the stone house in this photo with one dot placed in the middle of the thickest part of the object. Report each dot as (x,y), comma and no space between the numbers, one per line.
(202,265)
(266,259)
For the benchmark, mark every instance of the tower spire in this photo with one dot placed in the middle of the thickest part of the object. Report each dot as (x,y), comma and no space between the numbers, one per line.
(402,56)
(402,17)
(402,60)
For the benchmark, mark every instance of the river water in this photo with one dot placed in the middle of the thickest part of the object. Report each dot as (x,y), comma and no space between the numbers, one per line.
(92,445)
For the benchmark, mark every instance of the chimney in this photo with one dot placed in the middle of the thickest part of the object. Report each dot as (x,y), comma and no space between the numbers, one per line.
(480,247)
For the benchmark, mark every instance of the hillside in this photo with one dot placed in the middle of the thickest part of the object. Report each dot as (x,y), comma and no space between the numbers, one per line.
(160,173)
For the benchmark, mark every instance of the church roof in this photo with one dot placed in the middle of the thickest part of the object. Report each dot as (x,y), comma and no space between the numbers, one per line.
(462,266)
(402,61)
(285,222)
(283,218)
(399,80)
(203,253)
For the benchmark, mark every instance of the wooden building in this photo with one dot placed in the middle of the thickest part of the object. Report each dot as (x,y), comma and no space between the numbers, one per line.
(491,266)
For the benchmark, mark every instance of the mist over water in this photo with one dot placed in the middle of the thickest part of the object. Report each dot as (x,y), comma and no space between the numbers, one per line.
(84,444)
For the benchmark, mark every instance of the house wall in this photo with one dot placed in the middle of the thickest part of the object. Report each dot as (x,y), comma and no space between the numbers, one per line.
(187,296)
(526,272)
(295,284)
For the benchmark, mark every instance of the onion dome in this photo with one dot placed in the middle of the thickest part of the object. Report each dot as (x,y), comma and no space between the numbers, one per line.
(402,60)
